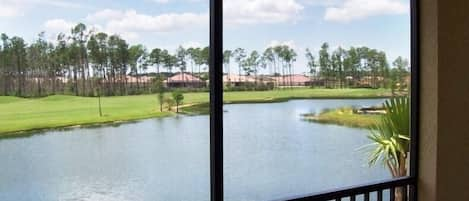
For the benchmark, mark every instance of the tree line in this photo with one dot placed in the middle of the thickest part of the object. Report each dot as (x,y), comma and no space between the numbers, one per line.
(356,67)
(85,63)
(339,68)
(88,63)
(278,60)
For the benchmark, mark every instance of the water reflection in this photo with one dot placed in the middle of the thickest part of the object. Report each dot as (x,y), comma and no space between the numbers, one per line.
(269,154)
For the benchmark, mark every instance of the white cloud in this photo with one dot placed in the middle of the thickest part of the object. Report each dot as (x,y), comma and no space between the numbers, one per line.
(360,9)
(11,8)
(321,2)
(55,3)
(289,43)
(133,21)
(261,11)
(104,15)
(131,24)
(130,21)
(14,8)
(58,25)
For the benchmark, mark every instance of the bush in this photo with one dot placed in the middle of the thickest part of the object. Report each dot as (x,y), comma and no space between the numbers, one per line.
(187,90)
(178,97)
(169,103)
(252,87)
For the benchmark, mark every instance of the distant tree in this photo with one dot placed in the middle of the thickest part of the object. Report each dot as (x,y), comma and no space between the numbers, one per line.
(156,58)
(169,103)
(181,62)
(351,66)
(80,37)
(337,63)
(138,58)
(99,56)
(119,60)
(383,68)
(18,53)
(198,58)
(38,59)
(312,64)
(62,59)
(192,57)
(263,62)
(289,57)
(83,62)
(205,56)
(373,66)
(401,67)
(269,58)
(401,64)
(99,83)
(178,97)
(252,63)
(227,54)
(279,55)
(169,61)
(240,56)
(99,103)
(325,63)
(5,65)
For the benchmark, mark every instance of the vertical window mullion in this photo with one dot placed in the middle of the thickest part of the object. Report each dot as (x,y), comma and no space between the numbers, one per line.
(216,100)
(415,99)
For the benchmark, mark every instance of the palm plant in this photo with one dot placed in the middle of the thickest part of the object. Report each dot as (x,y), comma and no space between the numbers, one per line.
(391,137)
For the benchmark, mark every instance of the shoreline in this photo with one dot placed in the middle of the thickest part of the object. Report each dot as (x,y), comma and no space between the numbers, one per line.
(189,109)
(343,117)
(38,131)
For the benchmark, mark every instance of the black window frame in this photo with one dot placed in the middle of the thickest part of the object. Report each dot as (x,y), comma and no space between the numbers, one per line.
(216,118)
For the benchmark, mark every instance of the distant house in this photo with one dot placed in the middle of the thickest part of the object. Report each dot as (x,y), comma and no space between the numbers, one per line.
(370,81)
(184,80)
(292,80)
(243,80)
(140,79)
(237,80)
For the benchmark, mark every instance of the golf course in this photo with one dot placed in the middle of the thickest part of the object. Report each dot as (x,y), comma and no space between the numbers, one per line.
(58,111)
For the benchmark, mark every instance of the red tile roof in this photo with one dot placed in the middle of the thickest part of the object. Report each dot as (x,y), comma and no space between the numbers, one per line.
(237,78)
(141,79)
(292,78)
(184,77)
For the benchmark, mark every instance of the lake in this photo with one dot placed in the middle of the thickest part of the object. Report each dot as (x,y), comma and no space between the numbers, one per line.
(270,153)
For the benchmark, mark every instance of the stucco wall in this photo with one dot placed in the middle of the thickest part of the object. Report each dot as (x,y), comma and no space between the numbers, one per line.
(444,142)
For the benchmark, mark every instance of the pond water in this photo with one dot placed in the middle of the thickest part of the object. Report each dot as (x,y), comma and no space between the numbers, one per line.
(270,153)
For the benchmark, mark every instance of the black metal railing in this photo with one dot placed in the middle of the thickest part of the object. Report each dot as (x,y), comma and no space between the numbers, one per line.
(380,191)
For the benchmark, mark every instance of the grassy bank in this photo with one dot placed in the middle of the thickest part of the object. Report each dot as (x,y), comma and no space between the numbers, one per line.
(18,114)
(344,117)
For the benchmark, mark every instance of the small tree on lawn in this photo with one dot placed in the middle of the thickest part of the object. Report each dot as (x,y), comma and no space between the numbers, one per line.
(159,87)
(98,90)
(178,97)
(169,103)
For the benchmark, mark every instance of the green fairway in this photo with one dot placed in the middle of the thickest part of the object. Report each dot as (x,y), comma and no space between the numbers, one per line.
(19,114)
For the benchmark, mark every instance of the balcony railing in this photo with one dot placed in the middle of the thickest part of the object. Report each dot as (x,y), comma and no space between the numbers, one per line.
(373,191)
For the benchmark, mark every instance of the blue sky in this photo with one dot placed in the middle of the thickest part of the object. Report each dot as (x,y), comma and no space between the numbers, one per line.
(251,24)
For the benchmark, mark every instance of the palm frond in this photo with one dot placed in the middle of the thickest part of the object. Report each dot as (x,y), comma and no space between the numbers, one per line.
(391,135)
